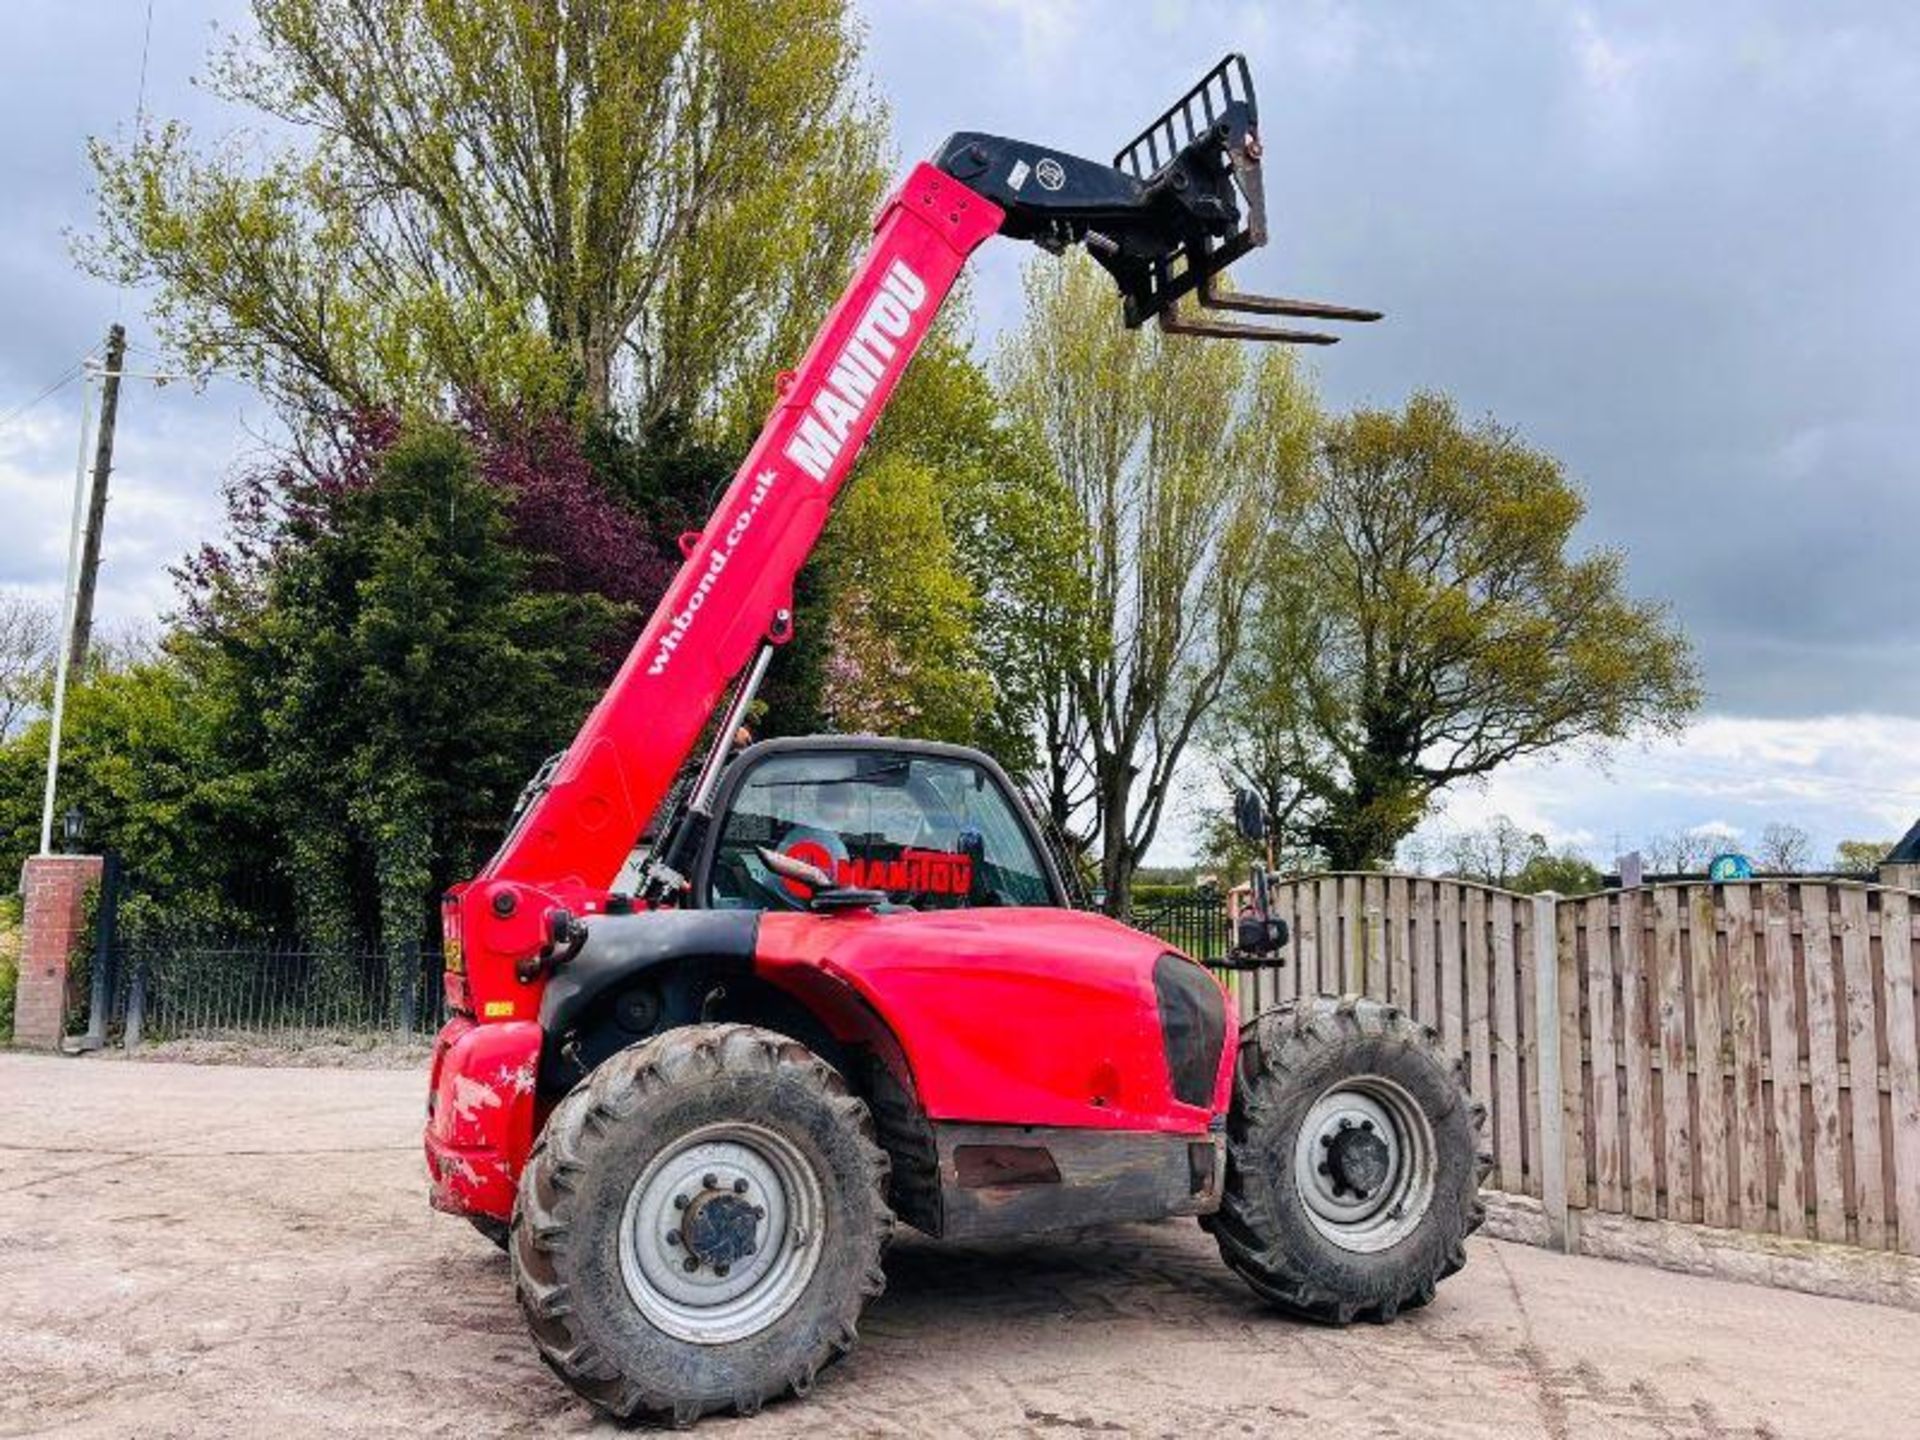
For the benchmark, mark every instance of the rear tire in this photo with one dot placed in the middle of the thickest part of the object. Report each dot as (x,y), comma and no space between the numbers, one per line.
(751,1144)
(1353,1161)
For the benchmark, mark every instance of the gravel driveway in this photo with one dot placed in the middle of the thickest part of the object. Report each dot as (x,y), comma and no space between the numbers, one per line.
(188,1250)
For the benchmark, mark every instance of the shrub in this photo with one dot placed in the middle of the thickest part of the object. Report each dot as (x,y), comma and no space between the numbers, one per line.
(9,962)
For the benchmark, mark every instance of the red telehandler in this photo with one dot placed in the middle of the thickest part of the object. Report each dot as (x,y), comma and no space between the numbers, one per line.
(850,984)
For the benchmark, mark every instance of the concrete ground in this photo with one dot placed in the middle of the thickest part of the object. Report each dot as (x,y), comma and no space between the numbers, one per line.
(225,1251)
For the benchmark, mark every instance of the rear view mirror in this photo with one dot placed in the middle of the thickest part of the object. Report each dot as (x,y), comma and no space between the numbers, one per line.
(1249,816)
(1257,935)
(798,871)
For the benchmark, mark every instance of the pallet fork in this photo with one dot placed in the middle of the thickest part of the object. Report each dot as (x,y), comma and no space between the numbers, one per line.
(1182,201)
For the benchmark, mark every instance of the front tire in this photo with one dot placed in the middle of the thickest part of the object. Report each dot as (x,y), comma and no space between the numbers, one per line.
(700,1225)
(1353,1161)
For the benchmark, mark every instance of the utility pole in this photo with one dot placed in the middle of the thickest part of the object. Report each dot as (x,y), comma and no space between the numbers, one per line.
(83,558)
(66,621)
(82,631)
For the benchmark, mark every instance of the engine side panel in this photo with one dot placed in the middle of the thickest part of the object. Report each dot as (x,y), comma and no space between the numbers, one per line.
(1024,1179)
(1009,1016)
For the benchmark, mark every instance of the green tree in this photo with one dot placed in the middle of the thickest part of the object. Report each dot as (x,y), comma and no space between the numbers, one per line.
(530,198)
(919,614)
(407,681)
(10,908)
(1495,854)
(1423,622)
(1503,854)
(899,635)
(1177,458)
(1019,533)
(1858,855)
(1010,530)
(1565,873)
(142,756)
(26,657)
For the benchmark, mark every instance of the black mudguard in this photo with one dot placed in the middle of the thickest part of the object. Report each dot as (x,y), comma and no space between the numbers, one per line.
(685,953)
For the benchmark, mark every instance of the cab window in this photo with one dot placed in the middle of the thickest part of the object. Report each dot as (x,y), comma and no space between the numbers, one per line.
(931,832)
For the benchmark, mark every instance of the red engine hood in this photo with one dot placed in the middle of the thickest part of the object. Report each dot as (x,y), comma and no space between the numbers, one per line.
(1016,1016)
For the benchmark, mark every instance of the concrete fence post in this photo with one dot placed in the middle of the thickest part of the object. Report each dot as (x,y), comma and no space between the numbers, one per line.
(1553,1150)
(136,1004)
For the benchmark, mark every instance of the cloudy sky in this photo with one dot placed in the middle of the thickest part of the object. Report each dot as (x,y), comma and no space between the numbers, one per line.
(1677,245)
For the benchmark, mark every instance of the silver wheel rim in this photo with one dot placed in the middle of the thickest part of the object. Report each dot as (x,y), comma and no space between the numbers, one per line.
(739,1169)
(1363,1164)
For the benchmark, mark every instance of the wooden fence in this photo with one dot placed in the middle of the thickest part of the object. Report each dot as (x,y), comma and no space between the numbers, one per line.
(1742,1055)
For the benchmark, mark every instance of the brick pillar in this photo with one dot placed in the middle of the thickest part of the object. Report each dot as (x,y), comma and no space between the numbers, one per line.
(56,891)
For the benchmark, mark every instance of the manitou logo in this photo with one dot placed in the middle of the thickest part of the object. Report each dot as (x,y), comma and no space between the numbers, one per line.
(923,872)
(863,363)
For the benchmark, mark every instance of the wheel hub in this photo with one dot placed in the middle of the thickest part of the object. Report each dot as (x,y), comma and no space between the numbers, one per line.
(721,1232)
(1358,1160)
(721,1228)
(1363,1163)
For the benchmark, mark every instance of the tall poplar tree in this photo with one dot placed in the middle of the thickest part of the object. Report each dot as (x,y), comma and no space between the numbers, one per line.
(525,199)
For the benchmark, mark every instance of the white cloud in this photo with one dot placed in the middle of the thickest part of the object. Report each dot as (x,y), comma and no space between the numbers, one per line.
(173,449)
(1838,776)
(1606,63)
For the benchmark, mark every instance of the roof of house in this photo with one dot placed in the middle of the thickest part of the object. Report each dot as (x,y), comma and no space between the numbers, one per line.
(1907,852)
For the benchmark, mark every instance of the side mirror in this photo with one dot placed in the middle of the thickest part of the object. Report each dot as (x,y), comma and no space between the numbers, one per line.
(1249,816)
(1257,935)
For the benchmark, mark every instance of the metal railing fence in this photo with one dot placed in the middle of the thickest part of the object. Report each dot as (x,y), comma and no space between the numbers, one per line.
(197,987)
(1194,923)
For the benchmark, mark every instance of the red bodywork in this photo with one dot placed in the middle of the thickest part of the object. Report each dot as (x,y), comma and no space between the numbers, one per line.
(1012,1017)
(1015,1017)
(1031,1017)
(480,1114)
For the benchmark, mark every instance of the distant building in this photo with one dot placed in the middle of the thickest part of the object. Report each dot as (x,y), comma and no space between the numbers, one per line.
(1907,852)
(1901,866)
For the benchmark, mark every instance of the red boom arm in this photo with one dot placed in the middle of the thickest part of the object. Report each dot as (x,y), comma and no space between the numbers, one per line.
(1180,203)
(735,589)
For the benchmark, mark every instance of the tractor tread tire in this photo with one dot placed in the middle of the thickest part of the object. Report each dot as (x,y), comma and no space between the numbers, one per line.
(1288,1056)
(586,1327)
(913,1190)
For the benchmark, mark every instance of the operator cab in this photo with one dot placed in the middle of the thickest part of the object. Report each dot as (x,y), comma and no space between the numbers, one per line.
(929,826)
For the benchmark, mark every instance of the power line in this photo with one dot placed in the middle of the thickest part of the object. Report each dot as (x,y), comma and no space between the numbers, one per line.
(140,95)
(139,128)
(64,379)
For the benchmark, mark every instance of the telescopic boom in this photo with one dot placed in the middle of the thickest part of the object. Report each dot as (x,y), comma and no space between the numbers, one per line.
(1180,203)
